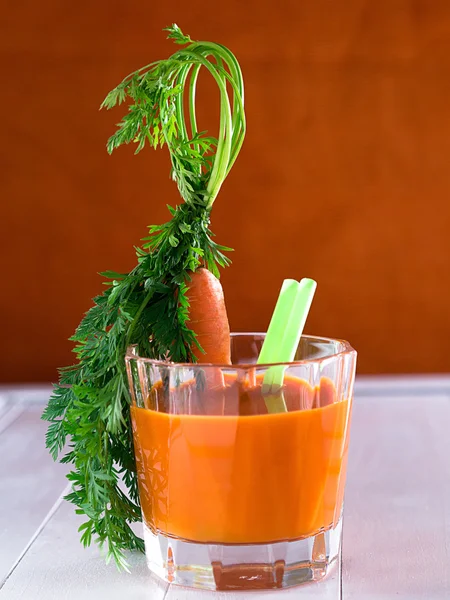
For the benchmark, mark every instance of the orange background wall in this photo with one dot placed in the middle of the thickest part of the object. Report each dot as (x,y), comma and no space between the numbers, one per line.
(344,175)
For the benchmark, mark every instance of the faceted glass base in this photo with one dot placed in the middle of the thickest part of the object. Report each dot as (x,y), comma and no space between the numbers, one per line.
(242,567)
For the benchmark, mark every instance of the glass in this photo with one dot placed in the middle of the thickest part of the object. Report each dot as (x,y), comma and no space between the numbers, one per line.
(242,481)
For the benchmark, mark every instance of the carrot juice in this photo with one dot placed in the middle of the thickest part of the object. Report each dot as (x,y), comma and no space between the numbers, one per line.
(230,473)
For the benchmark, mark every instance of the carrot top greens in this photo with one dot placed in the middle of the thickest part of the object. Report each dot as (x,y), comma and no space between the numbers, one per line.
(157,115)
(89,408)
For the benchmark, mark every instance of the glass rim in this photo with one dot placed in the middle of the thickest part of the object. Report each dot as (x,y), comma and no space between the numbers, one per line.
(347,350)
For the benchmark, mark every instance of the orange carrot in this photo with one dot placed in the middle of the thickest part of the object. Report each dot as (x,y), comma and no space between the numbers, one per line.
(208,317)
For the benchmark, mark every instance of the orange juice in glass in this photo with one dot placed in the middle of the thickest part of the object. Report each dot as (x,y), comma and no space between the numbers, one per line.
(234,495)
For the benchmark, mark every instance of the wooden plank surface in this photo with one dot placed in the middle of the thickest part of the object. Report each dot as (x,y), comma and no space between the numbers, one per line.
(56,567)
(384,386)
(3,406)
(397,508)
(397,511)
(30,482)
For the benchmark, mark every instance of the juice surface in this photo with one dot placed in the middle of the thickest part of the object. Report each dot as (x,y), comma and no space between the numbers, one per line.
(247,478)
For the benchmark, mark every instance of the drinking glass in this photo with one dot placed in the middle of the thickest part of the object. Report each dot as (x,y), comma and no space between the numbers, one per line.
(241,467)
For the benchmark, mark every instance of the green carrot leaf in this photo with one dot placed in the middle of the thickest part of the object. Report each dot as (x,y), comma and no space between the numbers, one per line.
(89,410)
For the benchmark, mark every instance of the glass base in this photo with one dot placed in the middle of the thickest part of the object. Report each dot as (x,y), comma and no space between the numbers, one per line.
(242,567)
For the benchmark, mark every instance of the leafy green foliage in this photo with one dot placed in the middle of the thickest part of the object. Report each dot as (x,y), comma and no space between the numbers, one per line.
(156,115)
(90,406)
(88,411)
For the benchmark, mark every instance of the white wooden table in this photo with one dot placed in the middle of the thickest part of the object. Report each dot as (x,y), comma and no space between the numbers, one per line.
(397,507)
